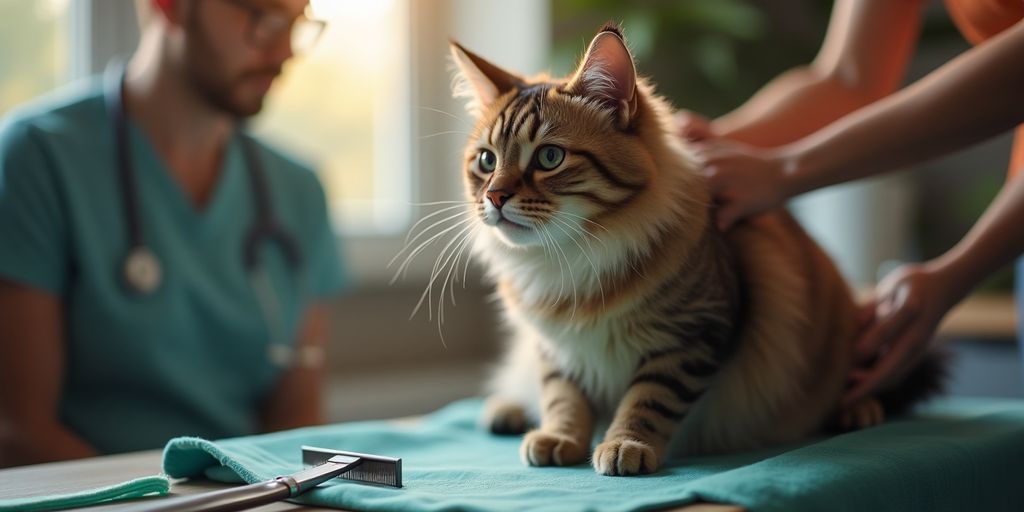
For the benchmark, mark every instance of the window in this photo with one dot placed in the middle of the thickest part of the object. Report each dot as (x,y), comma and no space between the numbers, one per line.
(37,58)
(369,106)
(344,108)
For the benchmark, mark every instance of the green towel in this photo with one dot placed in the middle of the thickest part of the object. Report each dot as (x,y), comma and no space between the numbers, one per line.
(145,486)
(952,455)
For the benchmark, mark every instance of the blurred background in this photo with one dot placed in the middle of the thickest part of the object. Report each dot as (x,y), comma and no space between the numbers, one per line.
(370,107)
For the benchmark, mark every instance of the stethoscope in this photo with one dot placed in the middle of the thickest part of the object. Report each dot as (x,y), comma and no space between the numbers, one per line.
(141,270)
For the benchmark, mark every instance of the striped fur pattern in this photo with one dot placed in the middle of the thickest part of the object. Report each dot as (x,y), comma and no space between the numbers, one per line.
(631,315)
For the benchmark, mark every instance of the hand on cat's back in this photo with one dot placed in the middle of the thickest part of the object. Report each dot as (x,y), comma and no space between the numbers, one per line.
(744,180)
(692,126)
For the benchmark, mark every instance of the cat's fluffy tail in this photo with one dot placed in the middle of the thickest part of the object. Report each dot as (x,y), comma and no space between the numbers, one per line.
(926,380)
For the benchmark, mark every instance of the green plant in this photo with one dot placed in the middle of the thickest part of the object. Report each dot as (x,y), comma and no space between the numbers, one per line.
(707,56)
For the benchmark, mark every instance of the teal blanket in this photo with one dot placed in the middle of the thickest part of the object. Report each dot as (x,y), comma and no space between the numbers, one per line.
(953,455)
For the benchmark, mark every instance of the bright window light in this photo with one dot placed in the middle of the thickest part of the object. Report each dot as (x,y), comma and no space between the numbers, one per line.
(344,108)
(36,58)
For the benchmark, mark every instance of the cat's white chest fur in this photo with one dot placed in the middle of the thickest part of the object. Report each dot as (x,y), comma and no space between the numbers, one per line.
(600,356)
(600,353)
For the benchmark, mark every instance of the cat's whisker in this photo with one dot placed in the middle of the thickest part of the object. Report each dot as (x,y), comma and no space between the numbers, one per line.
(574,229)
(446,254)
(427,293)
(546,237)
(425,218)
(422,232)
(447,282)
(444,283)
(435,203)
(404,267)
(556,213)
(423,245)
(572,278)
(632,264)
(449,114)
(465,269)
(560,225)
(595,237)
(544,245)
(568,265)
(465,266)
(597,273)
(584,219)
(454,266)
(446,132)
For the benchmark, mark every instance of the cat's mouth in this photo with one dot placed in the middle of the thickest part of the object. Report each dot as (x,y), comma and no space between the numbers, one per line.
(498,219)
(503,222)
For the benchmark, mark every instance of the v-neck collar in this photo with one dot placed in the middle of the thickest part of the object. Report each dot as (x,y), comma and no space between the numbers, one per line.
(149,167)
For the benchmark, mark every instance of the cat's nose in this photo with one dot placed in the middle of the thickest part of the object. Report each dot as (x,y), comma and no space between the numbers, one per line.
(498,197)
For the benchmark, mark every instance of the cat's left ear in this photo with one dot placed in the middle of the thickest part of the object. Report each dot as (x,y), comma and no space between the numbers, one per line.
(479,81)
(607,74)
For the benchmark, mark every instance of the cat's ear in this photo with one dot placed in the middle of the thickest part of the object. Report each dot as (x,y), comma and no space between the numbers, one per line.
(477,80)
(607,74)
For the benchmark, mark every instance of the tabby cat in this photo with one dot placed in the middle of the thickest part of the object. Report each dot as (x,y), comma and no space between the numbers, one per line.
(630,312)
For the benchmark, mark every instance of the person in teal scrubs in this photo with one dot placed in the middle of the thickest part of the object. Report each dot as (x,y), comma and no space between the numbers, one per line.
(97,358)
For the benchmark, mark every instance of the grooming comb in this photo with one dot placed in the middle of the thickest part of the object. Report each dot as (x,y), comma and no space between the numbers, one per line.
(322,465)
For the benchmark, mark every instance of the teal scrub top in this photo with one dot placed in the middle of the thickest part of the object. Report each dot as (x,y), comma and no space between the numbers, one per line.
(192,358)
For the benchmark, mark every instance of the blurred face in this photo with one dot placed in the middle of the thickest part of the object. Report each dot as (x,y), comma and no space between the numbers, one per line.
(232,53)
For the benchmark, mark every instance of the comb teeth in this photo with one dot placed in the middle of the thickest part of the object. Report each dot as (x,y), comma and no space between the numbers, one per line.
(373,469)
(382,473)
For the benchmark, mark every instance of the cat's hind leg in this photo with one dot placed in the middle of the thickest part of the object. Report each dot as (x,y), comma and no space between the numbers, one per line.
(922,382)
(504,416)
(864,414)
(513,391)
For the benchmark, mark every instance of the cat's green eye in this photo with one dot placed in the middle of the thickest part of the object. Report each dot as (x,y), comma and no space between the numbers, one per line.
(488,161)
(550,157)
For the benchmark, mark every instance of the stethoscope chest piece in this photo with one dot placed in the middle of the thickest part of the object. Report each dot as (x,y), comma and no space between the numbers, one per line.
(142,270)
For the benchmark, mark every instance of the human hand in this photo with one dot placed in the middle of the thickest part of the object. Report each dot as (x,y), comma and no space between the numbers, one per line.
(692,126)
(902,318)
(743,179)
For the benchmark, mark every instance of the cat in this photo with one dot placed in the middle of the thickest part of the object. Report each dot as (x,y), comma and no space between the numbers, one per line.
(630,312)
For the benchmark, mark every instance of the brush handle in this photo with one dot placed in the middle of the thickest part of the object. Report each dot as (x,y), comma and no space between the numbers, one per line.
(236,498)
(254,495)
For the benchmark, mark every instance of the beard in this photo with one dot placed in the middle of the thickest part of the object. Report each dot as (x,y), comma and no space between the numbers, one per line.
(239,94)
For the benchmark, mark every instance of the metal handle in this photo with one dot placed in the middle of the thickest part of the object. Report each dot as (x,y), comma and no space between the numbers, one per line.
(236,498)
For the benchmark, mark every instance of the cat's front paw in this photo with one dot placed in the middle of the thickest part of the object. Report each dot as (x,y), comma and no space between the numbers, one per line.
(541,448)
(504,417)
(624,457)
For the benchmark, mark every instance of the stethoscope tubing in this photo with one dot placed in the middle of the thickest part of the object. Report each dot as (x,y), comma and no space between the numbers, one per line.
(141,269)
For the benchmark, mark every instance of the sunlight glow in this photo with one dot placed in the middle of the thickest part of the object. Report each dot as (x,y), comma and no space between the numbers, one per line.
(343,106)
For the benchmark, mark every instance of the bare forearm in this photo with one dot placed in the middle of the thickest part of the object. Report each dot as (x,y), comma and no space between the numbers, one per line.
(862,59)
(31,373)
(36,444)
(298,398)
(796,104)
(993,242)
(296,402)
(967,100)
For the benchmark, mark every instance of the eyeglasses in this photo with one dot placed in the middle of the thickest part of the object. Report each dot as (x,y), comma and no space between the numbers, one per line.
(267,25)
